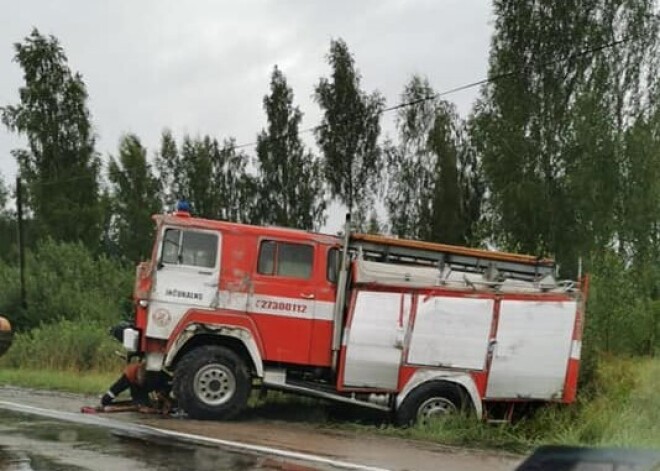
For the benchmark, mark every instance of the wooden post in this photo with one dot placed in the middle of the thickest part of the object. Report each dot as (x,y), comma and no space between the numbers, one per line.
(21,238)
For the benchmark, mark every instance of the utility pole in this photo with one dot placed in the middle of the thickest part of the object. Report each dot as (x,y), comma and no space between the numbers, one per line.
(21,238)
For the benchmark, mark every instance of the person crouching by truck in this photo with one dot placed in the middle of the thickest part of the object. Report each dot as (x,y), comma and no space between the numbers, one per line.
(133,379)
(149,391)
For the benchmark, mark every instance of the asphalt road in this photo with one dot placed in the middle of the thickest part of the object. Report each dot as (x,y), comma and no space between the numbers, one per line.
(133,441)
(33,442)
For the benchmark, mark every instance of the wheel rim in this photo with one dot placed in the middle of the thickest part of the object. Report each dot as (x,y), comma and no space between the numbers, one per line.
(435,407)
(214,384)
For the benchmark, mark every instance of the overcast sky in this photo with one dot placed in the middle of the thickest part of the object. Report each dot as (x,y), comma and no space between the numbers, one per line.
(203,67)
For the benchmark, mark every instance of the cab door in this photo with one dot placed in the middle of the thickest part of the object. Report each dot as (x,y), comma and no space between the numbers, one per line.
(282,302)
(186,277)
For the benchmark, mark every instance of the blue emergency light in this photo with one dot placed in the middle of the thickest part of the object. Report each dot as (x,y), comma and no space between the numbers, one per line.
(183,206)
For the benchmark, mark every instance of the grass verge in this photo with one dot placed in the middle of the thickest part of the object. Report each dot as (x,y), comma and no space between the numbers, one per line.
(69,381)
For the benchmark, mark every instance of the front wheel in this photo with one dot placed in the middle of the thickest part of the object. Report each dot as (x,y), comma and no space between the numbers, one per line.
(430,401)
(212,382)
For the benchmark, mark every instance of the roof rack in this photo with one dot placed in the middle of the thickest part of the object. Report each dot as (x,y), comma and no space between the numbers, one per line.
(490,263)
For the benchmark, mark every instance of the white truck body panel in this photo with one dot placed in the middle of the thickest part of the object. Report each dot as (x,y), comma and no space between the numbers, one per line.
(451,332)
(375,342)
(532,351)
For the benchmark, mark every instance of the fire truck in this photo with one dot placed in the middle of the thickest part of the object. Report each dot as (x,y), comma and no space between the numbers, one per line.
(412,328)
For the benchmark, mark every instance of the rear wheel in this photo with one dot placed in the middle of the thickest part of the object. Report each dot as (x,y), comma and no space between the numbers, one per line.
(212,382)
(431,401)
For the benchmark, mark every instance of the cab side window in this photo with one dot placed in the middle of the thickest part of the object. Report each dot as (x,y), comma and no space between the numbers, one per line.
(334,260)
(267,252)
(285,259)
(198,249)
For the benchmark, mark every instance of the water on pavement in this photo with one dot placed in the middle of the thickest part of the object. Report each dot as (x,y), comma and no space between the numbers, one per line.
(31,443)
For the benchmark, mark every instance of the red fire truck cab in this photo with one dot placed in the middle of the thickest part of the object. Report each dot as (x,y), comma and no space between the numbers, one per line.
(414,328)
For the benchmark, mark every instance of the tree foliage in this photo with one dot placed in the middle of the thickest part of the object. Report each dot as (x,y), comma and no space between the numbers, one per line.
(65,281)
(168,169)
(550,133)
(560,156)
(8,233)
(135,198)
(237,189)
(290,180)
(447,223)
(411,163)
(60,165)
(212,177)
(4,194)
(433,190)
(567,134)
(197,174)
(348,134)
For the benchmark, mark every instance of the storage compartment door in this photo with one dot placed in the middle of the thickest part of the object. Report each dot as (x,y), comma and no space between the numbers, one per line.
(451,332)
(532,350)
(375,339)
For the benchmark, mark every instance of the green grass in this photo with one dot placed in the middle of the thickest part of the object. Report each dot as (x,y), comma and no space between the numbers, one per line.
(623,410)
(64,356)
(69,381)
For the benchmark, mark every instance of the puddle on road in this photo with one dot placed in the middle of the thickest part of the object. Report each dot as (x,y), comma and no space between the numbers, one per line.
(29,443)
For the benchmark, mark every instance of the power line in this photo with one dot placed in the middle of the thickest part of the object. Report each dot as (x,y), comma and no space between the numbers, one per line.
(503,75)
(466,86)
(417,101)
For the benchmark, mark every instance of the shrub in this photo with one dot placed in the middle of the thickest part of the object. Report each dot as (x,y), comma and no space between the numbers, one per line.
(65,345)
(64,281)
(622,315)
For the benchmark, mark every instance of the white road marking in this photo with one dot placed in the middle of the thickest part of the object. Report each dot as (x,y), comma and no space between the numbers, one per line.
(199,439)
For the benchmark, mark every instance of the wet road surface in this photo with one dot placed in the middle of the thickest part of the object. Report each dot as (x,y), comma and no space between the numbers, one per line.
(29,442)
(359,447)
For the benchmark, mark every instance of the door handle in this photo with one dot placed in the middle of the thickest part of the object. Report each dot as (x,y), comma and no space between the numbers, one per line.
(307,296)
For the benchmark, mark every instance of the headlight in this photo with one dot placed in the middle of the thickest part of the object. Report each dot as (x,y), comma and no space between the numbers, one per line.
(143,303)
(130,340)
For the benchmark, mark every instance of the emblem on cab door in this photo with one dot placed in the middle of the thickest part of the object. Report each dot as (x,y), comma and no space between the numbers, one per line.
(162,317)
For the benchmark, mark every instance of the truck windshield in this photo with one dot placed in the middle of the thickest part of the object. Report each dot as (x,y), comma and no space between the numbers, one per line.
(171,243)
(194,248)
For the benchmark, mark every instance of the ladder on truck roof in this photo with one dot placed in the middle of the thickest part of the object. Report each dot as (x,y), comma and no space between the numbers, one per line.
(411,252)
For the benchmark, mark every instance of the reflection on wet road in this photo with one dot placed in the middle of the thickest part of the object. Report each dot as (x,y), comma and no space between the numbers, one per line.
(35,443)
(266,441)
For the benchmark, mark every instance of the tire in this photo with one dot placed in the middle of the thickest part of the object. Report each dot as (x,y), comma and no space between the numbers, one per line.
(212,383)
(431,400)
